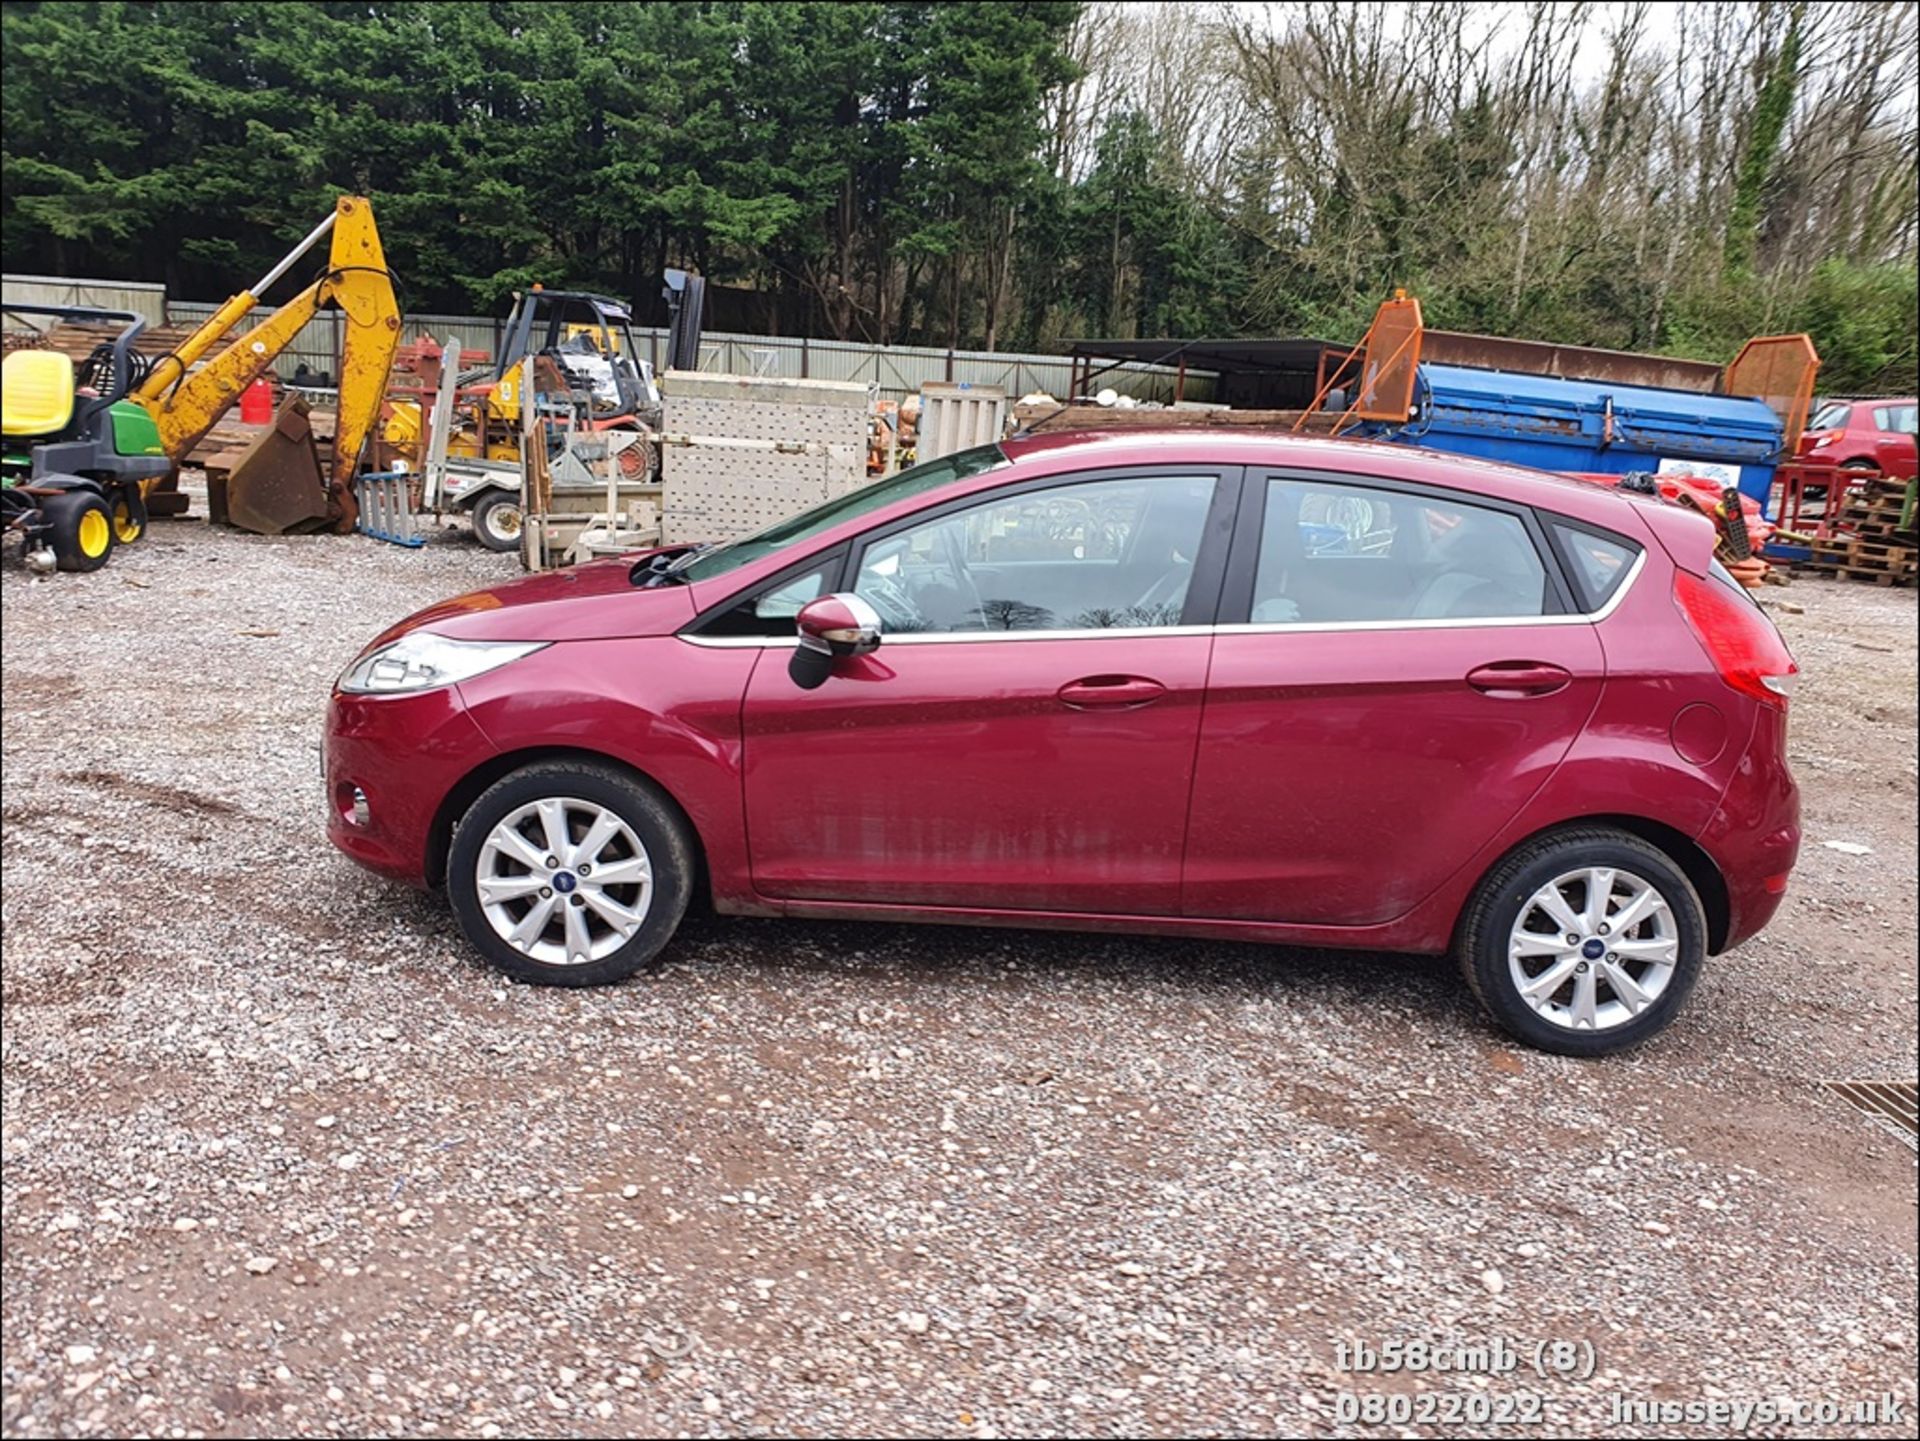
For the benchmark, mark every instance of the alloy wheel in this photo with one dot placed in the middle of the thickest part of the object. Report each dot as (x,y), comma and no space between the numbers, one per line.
(564,881)
(1593,948)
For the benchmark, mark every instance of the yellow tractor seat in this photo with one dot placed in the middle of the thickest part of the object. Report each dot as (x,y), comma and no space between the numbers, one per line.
(36,392)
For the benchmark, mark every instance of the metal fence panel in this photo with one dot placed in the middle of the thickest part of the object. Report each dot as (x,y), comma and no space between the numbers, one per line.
(898,370)
(147,300)
(843,360)
(741,455)
(957,417)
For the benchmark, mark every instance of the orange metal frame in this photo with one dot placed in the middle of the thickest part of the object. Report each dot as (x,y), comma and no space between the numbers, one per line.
(1780,370)
(1389,361)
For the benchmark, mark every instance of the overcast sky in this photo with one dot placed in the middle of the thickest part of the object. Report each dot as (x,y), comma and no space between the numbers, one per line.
(1505,18)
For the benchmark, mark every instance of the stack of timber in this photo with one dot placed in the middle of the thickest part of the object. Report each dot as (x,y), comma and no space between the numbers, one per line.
(77,338)
(1083,416)
(1873,539)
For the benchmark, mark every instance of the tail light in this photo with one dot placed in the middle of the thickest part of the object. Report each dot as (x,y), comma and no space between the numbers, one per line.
(1743,644)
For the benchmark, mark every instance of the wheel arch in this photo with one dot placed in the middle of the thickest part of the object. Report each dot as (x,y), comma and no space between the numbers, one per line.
(470,786)
(65,481)
(1677,846)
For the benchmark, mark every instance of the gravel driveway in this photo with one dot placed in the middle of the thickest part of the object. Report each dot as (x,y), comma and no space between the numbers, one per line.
(282,1157)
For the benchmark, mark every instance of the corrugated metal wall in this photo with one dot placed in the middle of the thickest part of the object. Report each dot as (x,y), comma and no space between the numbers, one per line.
(143,299)
(897,370)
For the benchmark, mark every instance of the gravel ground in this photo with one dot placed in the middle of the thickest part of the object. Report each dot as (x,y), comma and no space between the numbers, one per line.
(282,1157)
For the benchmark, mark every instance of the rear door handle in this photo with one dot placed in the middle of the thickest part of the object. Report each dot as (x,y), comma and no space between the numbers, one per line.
(1513,678)
(1110,692)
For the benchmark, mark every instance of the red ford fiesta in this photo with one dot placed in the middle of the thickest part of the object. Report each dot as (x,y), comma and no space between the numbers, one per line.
(1259,688)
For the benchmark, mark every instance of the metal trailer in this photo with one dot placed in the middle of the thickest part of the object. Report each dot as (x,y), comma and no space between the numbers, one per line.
(1592,426)
(577,498)
(1572,408)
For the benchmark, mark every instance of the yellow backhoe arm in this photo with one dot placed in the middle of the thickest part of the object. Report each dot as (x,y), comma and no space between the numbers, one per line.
(186,406)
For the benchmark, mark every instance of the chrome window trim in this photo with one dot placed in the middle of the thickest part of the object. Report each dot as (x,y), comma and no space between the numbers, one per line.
(1289,627)
(742,642)
(1446,623)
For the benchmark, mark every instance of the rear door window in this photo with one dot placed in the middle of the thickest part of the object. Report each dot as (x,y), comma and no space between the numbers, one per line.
(1896,418)
(1331,552)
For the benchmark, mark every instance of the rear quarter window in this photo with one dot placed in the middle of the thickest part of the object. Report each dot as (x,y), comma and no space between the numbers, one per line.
(1599,563)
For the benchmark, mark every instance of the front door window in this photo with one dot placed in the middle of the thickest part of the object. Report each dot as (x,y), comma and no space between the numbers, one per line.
(1095,555)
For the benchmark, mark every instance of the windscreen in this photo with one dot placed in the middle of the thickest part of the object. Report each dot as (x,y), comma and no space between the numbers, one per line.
(868,498)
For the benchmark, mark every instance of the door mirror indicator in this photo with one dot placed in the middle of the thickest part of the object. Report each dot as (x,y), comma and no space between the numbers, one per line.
(831,627)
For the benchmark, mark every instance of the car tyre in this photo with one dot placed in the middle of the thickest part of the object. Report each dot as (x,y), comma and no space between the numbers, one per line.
(648,833)
(497,521)
(1502,918)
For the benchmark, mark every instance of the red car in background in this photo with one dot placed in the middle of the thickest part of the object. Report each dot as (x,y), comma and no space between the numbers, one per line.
(1870,435)
(1301,691)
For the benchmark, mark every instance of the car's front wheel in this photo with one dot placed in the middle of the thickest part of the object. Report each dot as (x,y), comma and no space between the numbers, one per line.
(1584,942)
(570,874)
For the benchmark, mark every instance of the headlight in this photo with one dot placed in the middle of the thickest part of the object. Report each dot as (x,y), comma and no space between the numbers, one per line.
(422,660)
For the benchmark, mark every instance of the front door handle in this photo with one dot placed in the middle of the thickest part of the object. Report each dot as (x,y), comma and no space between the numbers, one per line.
(1110,692)
(1514,678)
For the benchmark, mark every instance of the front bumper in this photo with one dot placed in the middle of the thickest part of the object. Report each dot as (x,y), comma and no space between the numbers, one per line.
(404,754)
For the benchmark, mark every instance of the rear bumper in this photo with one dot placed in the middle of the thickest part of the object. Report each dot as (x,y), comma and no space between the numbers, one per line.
(1754,836)
(404,754)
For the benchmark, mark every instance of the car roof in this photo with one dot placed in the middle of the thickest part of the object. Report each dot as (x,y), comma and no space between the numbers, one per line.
(1032,457)
(1073,449)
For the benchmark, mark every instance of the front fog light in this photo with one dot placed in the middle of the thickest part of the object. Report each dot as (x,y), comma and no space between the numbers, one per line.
(352,803)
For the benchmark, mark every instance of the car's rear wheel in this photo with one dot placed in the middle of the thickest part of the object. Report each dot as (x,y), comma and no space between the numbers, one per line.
(1584,942)
(570,874)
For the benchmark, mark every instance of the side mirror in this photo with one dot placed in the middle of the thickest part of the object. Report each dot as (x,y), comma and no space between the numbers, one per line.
(830,627)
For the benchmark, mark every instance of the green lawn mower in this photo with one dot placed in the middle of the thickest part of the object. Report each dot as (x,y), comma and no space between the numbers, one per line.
(76,453)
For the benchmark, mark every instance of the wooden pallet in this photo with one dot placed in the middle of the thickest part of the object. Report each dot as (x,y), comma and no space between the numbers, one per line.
(1878,577)
(1867,542)
(1878,551)
(1873,557)
(1854,565)
(1871,522)
(1877,504)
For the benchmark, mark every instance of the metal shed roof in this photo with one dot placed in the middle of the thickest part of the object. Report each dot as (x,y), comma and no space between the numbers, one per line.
(1226,357)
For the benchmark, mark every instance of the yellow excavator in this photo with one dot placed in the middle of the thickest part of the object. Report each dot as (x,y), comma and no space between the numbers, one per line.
(186,403)
(89,450)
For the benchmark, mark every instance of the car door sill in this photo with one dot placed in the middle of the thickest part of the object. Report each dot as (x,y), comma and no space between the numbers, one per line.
(1400,934)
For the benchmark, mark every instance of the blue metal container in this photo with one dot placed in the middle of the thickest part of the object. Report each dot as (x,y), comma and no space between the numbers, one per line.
(1585,425)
